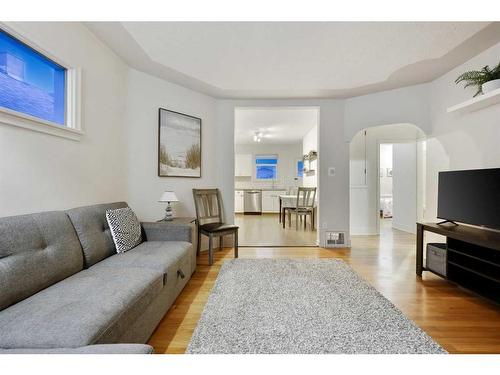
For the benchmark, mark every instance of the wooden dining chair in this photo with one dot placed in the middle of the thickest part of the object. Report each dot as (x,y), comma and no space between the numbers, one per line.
(210,221)
(305,205)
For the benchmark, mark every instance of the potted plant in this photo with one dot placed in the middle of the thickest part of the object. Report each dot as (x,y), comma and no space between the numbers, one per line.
(485,80)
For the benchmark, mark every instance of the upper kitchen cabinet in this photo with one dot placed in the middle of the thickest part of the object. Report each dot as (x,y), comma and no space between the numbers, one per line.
(243,165)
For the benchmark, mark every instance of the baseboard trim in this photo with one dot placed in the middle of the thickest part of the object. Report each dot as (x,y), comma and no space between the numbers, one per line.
(404,228)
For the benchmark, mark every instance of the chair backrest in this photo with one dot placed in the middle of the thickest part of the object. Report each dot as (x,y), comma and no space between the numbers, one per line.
(306,197)
(208,205)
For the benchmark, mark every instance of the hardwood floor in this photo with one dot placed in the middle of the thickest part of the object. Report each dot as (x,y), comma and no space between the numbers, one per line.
(266,230)
(457,319)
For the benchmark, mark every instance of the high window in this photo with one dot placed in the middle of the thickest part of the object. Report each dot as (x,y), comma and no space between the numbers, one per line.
(31,83)
(266,167)
(300,168)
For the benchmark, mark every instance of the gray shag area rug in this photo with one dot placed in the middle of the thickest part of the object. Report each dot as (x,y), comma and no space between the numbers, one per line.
(302,306)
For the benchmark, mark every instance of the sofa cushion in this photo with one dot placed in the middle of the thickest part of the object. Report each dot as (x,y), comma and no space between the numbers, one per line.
(93,231)
(36,251)
(155,255)
(94,306)
(125,228)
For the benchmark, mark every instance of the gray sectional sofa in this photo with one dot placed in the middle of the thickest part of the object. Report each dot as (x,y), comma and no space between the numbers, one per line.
(64,289)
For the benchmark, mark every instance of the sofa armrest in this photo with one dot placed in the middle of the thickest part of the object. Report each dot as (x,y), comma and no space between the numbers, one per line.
(171,231)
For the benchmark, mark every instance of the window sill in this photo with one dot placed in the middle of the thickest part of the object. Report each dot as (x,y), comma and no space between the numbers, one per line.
(12,118)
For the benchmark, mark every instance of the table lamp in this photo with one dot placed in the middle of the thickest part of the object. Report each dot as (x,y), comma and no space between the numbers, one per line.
(168,196)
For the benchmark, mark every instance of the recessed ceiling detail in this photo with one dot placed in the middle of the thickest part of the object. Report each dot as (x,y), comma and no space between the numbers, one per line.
(296,59)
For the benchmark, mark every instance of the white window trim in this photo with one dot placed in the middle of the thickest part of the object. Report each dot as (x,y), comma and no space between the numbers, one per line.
(72,129)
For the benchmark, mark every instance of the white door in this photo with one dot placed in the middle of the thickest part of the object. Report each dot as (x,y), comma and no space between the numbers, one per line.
(404,185)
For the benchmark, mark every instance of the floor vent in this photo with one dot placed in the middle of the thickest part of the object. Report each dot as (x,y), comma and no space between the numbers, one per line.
(334,239)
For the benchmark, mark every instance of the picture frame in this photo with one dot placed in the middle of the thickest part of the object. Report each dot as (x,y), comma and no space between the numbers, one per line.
(179,144)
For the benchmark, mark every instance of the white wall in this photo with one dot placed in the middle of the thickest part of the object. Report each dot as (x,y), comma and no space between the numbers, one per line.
(454,141)
(310,143)
(42,172)
(117,157)
(146,95)
(404,211)
(288,156)
(421,178)
(333,151)
(408,105)
(460,141)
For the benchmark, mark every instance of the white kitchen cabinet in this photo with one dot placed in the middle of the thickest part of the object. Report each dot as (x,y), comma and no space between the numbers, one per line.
(270,200)
(243,165)
(267,201)
(238,201)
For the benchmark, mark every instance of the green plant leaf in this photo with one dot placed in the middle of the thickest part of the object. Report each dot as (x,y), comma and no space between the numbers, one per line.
(476,78)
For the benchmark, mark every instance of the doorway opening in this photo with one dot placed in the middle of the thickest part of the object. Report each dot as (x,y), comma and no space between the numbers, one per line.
(276,159)
(385,185)
(387,180)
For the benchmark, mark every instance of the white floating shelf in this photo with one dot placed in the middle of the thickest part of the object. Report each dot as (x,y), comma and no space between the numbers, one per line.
(477,103)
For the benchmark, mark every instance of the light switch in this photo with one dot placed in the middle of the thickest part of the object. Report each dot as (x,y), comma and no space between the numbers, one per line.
(331,171)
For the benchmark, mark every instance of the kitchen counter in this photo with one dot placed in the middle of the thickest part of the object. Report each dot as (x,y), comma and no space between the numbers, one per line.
(262,189)
(267,199)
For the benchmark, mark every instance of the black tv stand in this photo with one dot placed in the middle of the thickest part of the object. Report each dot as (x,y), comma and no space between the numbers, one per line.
(447,222)
(473,257)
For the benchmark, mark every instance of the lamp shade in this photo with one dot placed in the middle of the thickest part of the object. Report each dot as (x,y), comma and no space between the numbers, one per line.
(168,196)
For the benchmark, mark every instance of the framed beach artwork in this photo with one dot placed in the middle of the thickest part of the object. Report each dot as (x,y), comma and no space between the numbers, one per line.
(179,144)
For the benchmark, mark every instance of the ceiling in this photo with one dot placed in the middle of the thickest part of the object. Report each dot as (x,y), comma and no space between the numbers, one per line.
(278,125)
(296,59)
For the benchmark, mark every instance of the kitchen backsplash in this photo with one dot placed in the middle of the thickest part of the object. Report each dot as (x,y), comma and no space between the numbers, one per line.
(247,183)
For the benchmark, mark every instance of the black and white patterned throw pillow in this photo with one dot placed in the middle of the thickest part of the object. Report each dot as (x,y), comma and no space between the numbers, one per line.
(125,228)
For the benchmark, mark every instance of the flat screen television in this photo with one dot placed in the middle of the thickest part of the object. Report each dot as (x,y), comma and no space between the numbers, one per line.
(470,197)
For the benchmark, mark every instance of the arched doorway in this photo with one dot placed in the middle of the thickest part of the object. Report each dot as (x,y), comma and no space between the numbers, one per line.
(387,179)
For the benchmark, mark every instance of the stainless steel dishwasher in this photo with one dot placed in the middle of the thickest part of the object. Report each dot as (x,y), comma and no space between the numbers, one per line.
(252,202)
